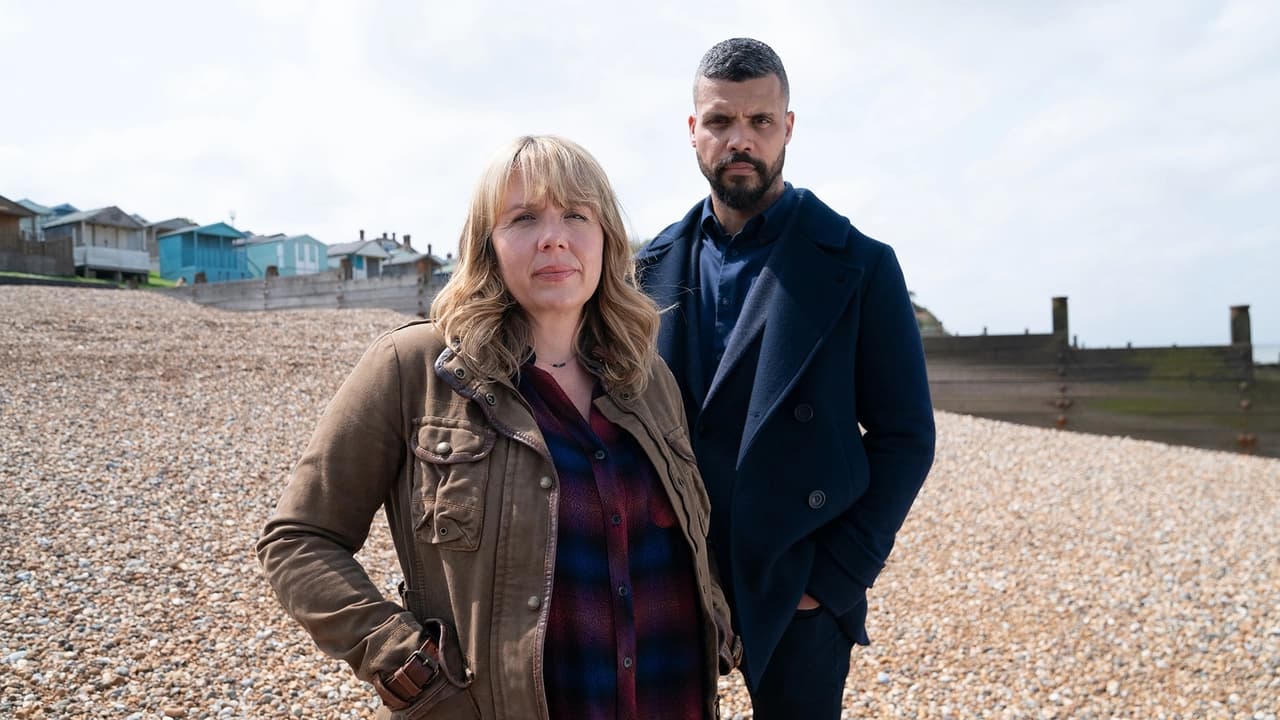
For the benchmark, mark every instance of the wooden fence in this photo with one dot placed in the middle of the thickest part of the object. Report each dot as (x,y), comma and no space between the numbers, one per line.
(1210,397)
(410,294)
(20,254)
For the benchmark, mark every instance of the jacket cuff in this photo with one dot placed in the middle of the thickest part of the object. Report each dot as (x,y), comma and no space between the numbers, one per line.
(389,645)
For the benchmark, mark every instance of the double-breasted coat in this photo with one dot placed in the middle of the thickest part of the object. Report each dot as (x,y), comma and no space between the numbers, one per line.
(816,432)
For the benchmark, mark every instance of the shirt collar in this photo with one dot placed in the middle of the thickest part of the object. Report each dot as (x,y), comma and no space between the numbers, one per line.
(759,230)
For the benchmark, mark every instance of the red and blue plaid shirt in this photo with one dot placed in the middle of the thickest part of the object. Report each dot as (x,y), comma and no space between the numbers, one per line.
(624,636)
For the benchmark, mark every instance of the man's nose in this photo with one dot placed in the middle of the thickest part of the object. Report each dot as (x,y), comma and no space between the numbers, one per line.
(741,139)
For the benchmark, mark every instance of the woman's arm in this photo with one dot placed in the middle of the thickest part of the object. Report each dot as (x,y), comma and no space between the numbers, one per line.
(345,475)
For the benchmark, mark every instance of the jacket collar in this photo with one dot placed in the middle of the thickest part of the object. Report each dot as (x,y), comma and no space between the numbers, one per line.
(801,292)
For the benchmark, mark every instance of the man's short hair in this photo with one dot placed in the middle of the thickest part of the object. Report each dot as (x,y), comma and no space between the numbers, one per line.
(739,59)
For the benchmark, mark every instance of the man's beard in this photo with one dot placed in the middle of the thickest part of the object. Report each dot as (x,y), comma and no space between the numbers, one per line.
(743,196)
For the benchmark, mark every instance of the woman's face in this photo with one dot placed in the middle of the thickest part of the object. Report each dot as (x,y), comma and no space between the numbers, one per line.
(549,256)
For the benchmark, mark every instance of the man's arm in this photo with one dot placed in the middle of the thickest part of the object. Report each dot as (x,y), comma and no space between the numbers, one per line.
(893,406)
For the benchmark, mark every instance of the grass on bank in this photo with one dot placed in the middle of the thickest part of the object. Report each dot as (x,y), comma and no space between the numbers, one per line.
(153,279)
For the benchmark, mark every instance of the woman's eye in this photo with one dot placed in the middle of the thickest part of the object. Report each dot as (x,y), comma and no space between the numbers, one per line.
(525,217)
(574,215)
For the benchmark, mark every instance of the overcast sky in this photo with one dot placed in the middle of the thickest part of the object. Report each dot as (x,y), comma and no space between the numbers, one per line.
(1122,154)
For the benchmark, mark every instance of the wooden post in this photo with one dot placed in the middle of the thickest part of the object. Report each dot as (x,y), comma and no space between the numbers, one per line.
(1241,332)
(1060,325)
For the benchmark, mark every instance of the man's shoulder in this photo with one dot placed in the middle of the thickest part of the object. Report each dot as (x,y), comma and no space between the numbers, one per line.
(817,220)
(671,233)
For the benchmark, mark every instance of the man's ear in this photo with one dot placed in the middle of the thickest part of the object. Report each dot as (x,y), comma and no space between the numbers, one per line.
(791,121)
(693,122)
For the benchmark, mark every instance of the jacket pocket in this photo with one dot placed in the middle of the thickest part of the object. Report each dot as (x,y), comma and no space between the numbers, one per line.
(688,481)
(446,696)
(450,481)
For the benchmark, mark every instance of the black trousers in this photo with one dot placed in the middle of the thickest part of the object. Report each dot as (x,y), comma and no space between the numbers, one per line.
(805,677)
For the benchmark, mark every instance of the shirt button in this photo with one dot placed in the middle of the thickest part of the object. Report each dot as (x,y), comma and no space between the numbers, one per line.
(534,602)
(616,519)
(545,483)
(724,301)
(733,253)
(622,591)
(627,662)
(600,454)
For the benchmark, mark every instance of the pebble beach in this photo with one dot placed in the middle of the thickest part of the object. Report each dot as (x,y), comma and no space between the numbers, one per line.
(144,441)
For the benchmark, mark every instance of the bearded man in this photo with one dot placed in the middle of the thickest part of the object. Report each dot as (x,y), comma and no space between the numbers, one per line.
(795,344)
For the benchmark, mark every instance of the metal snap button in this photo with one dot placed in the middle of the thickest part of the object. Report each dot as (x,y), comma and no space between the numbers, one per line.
(460,372)
(545,483)
(491,398)
(817,499)
(534,602)
(443,448)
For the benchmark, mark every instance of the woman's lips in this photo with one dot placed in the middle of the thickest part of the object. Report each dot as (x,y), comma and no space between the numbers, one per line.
(554,272)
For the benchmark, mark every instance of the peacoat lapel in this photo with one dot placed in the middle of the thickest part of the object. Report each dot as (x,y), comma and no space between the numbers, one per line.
(803,289)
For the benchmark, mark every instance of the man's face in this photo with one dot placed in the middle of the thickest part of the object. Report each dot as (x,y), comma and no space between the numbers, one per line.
(740,132)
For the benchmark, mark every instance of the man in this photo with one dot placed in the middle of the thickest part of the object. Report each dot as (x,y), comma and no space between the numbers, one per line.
(788,328)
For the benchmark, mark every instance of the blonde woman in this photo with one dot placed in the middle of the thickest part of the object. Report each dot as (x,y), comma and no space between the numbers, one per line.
(531,455)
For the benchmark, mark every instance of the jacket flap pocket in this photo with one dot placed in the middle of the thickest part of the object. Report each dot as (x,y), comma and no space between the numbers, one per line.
(451,440)
(678,439)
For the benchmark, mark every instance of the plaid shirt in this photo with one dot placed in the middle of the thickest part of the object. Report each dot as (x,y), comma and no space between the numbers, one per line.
(624,623)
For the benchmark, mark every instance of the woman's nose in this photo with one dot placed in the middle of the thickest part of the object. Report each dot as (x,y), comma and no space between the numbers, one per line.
(552,234)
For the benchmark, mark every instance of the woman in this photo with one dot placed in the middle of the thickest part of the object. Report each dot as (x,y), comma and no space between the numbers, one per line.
(536,474)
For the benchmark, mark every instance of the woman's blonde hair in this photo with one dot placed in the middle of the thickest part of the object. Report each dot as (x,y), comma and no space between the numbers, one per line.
(482,321)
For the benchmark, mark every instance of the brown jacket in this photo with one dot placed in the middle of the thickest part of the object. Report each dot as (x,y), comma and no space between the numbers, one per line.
(470,494)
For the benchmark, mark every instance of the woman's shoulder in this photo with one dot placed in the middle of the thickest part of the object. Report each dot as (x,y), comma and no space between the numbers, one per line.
(416,338)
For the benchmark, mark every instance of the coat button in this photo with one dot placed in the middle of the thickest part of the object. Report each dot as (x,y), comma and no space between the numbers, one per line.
(443,448)
(534,602)
(545,483)
(817,499)
(804,412)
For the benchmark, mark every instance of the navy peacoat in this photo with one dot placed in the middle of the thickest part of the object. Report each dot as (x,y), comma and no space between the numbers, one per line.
(816,432)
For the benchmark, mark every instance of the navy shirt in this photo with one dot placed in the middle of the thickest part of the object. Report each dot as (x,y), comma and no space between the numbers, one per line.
(727,268)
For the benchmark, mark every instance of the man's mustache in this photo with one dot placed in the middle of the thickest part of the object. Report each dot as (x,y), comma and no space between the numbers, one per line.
(741,158)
